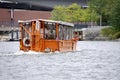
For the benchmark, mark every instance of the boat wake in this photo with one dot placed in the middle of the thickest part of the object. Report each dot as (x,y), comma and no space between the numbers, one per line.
(27,53)
(19,53)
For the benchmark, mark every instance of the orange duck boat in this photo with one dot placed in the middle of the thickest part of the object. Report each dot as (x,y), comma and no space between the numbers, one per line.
(42,35)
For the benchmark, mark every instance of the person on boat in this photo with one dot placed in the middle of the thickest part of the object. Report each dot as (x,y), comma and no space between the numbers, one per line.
(46,32)
(76,36)
(52,34)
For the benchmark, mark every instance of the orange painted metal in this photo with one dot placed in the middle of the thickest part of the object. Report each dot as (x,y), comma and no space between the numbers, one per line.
(33,37)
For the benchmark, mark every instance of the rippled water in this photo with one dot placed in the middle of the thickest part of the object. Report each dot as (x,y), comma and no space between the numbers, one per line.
(93,60)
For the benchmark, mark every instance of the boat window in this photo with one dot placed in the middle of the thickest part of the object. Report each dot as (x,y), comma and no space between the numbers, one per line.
(50,31)
(71,33)
(65,32)
(61,34)
(41,29)
(27,27)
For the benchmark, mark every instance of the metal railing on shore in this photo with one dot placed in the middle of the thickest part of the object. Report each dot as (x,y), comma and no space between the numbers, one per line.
(8,23)
(8,26)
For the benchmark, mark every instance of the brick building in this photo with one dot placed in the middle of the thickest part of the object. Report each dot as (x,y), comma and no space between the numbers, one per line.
(8,16)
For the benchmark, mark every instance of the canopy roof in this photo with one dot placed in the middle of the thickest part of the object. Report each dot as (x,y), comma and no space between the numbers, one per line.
(49,21)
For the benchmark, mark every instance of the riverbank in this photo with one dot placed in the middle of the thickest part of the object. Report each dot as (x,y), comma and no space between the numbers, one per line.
(4,38)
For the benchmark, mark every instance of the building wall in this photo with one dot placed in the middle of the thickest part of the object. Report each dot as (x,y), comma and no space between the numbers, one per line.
(27,15)
(5,15)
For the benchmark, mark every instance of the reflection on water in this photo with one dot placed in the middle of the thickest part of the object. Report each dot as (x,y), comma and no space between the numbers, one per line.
(92,61)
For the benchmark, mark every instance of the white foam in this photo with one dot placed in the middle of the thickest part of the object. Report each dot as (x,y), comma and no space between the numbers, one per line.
(29,52)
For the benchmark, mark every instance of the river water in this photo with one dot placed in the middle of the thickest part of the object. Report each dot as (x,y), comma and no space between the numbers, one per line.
(93,60)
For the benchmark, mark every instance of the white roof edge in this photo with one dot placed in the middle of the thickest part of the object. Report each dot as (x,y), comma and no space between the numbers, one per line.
(66,23)
(52,21)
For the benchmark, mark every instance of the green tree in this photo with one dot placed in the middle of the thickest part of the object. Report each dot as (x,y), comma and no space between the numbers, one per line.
(97,5)
(102,8)
(108,32)
(72,13)
(111,33)
(90,15)
(58,13)
(115,16)
(109,6)
(113,11)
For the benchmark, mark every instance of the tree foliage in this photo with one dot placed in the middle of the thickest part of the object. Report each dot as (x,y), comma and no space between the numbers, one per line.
(97,5)
(90,15)
(111,33)
(107,8)
(58,13)
(108,32)
(110,11)
(115,16)
(73,13)
(100,7)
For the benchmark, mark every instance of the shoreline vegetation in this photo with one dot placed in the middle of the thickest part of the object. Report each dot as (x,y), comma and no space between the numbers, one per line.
(111,33)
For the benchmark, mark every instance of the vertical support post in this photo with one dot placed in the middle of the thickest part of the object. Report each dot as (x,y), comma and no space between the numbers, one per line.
(57,30)
(12,23)
(21,36)
(43,26)
(33,27)
(100,20)
(12,17)
(11,35)
(57,36)
(33,36)
(17,34)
